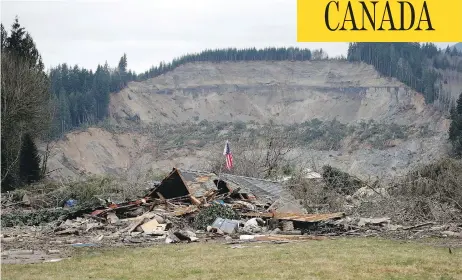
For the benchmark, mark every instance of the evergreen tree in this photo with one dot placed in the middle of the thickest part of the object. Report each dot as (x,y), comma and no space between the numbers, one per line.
(459,104)
(29,161)
(20,43)
(122,69)
(64,113)
(4,36)
(408,62)
(455,129)
(123,64)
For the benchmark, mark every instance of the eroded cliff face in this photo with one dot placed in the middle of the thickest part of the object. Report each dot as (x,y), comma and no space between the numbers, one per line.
(282,92)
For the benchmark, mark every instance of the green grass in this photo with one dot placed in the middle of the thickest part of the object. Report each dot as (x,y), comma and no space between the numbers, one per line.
(352,258)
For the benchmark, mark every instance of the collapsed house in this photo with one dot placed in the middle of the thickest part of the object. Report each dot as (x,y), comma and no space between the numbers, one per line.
(184,193)
(198,187)
(176,202)
(189,190)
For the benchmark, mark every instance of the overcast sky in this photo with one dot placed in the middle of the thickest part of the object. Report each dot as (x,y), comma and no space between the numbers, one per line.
(90,32)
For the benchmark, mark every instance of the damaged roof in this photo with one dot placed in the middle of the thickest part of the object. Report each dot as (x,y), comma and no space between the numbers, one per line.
(264,190)
(180,184)
(185,183)
(199,182)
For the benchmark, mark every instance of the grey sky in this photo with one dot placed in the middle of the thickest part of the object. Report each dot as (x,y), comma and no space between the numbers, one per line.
(90,32)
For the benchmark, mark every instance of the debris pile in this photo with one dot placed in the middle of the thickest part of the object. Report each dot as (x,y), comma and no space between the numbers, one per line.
(193,206)
(186,206)
(190,206)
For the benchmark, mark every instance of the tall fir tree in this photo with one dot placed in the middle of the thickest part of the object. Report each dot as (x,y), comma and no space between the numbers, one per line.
(4,36)
(22,45)
(123,71)
(29,161)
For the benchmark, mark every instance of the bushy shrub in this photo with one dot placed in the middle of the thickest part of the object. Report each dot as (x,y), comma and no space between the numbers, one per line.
(34,218)
(340,181)
(208,215)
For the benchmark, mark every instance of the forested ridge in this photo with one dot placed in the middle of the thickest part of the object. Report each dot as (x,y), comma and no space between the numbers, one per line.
(231,55)
(414,64)
(82,97)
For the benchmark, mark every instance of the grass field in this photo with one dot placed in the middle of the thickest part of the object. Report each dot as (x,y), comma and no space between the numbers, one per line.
(349,258)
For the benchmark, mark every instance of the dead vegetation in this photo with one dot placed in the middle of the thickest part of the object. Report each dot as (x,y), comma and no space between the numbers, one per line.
(433,192)
(315,195)
(260,157)
(89,192)
(430,193)
(317,134)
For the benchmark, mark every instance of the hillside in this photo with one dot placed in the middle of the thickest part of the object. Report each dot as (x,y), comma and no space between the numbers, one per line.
(458,46)
(286,93)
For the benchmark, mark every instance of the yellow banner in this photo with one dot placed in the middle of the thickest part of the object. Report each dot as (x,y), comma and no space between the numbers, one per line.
(379,21)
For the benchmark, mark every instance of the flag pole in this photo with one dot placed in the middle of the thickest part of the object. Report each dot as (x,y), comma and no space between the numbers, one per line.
(221,167)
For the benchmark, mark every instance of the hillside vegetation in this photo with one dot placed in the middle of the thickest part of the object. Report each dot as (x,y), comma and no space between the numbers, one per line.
(82,97)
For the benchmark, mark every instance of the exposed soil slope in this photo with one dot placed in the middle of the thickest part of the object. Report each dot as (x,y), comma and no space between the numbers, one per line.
(283,92)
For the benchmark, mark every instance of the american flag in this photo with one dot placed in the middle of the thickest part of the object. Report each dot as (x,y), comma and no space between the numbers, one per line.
(229,156)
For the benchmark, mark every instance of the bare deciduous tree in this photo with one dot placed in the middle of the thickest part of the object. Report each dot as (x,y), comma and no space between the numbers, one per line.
(261,156)
(25,107)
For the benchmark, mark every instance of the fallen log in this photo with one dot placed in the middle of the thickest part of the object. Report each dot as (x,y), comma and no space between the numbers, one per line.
(419,226)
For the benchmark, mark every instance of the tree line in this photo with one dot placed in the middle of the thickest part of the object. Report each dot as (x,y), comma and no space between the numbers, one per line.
(232,55)
(413,64)
(82,96)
